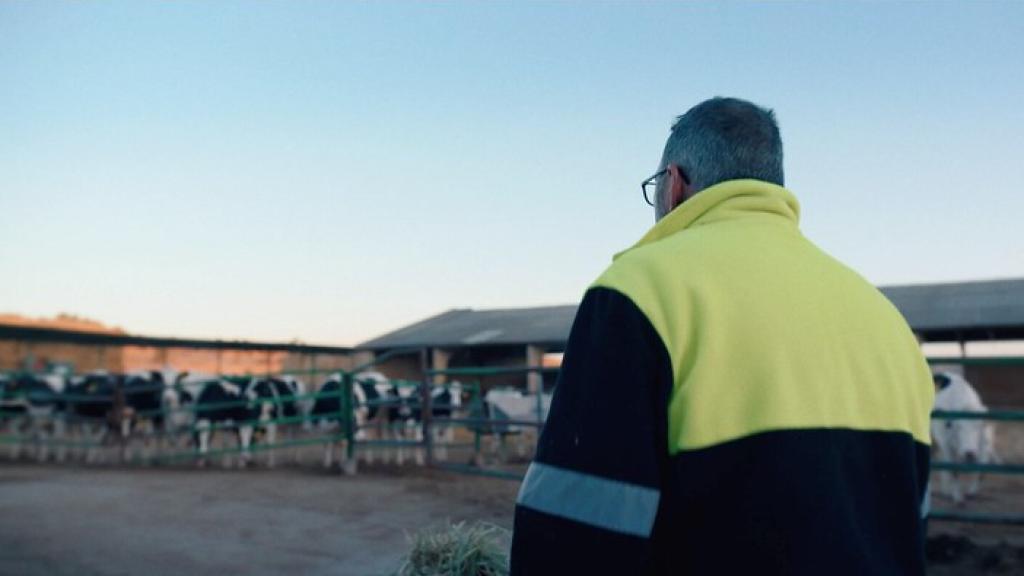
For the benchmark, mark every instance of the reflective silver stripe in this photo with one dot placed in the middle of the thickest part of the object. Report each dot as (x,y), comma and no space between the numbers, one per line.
(609,504)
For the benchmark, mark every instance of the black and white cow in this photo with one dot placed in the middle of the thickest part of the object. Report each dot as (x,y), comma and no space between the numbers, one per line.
(370,392)
(248,406)
(961,440)
(380,411)
(403,414)
(384,411)
(286,390)
(377,400)
(85,408)
(142,413)
(445,402)
(178,401)
(291,405)
(31,409)
(94,406)
(404,417)
(326,416)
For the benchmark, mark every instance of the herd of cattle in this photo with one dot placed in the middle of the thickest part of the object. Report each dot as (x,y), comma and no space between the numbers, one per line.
(157,409)
(79,414)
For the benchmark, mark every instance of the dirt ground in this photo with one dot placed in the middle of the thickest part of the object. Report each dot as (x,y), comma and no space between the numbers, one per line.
(79,520)
(91,521)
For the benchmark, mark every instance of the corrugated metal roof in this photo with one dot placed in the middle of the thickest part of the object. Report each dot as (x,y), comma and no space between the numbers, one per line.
(967,310)
(992,304)
(466,327)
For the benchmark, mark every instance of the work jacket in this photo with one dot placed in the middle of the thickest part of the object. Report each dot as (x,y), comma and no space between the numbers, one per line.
(732,400)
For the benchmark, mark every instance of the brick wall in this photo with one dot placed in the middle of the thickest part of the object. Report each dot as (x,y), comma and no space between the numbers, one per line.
(17,355)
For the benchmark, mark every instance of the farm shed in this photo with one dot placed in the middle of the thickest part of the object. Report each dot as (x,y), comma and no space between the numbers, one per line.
(960,313)
(480,338)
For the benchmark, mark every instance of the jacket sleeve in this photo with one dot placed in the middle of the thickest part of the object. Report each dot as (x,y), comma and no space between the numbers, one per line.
(589,501)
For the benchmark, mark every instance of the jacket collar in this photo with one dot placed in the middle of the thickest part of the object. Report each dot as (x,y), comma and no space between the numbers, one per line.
(725,201)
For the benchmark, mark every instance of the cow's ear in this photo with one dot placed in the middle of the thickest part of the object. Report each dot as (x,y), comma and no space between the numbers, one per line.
(941,380)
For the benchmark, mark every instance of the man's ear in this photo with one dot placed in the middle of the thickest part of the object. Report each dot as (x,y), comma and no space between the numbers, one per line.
(679,189)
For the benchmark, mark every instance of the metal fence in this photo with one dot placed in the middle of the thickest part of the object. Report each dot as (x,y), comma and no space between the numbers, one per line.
(961,515)
(1004,418)
(42,436)
(67,433)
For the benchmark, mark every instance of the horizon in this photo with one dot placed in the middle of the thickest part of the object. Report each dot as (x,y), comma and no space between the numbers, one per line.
(936,349)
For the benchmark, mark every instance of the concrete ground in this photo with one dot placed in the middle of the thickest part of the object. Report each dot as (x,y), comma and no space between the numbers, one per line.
(92,521)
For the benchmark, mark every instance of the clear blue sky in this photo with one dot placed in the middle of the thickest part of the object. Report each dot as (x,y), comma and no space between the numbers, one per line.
(329,171)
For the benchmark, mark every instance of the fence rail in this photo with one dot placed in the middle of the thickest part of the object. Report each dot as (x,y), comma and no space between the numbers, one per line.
(474,420)
(1001,416)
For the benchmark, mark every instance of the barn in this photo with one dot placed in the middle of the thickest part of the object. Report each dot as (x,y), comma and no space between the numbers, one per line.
(958,319)
(962,319)
(479,338)
(981,321)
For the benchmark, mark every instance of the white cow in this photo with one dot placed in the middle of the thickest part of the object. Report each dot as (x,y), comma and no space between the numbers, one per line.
(513,404)
(961,440)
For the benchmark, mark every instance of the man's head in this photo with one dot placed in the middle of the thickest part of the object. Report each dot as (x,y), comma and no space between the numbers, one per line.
(717,140)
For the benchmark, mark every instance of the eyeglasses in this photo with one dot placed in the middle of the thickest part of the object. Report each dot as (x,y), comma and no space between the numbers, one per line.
(650,185)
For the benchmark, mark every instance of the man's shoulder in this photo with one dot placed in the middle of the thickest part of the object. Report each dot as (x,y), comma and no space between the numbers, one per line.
(633,270)
(672,263)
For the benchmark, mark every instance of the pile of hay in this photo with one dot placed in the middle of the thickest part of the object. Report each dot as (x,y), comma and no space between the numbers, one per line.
(477,549)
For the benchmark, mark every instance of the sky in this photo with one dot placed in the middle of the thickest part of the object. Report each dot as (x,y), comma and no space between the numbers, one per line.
(329,171)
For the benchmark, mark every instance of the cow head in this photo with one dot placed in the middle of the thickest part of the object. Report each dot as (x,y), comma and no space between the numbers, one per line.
(262,395)
(459,394)
(966,439)
(171,398)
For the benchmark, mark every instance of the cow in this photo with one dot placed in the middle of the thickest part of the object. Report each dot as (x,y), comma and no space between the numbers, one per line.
(380,411)
(287,390)
(250,406)
(32,408)
(326,414)
(404,417)
(380,407)
(503,404)
(142,408)
(445,401)
(94,405)
(968,441)
(289,404)
(178,401)
(404,421)
(373,396)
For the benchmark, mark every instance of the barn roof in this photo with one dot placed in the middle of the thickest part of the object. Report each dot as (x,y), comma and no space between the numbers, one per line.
(48,334)
(546,325)
(984,310)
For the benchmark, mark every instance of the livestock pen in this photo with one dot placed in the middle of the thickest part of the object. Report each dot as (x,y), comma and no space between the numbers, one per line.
(451,483)
(476,421)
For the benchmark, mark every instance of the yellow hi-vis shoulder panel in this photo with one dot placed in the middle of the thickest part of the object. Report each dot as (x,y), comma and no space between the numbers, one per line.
(765,331)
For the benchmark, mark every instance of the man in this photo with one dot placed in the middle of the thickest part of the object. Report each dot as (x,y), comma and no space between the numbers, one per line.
(732,399)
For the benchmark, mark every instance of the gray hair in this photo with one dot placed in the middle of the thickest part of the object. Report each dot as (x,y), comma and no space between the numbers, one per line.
(725,139)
